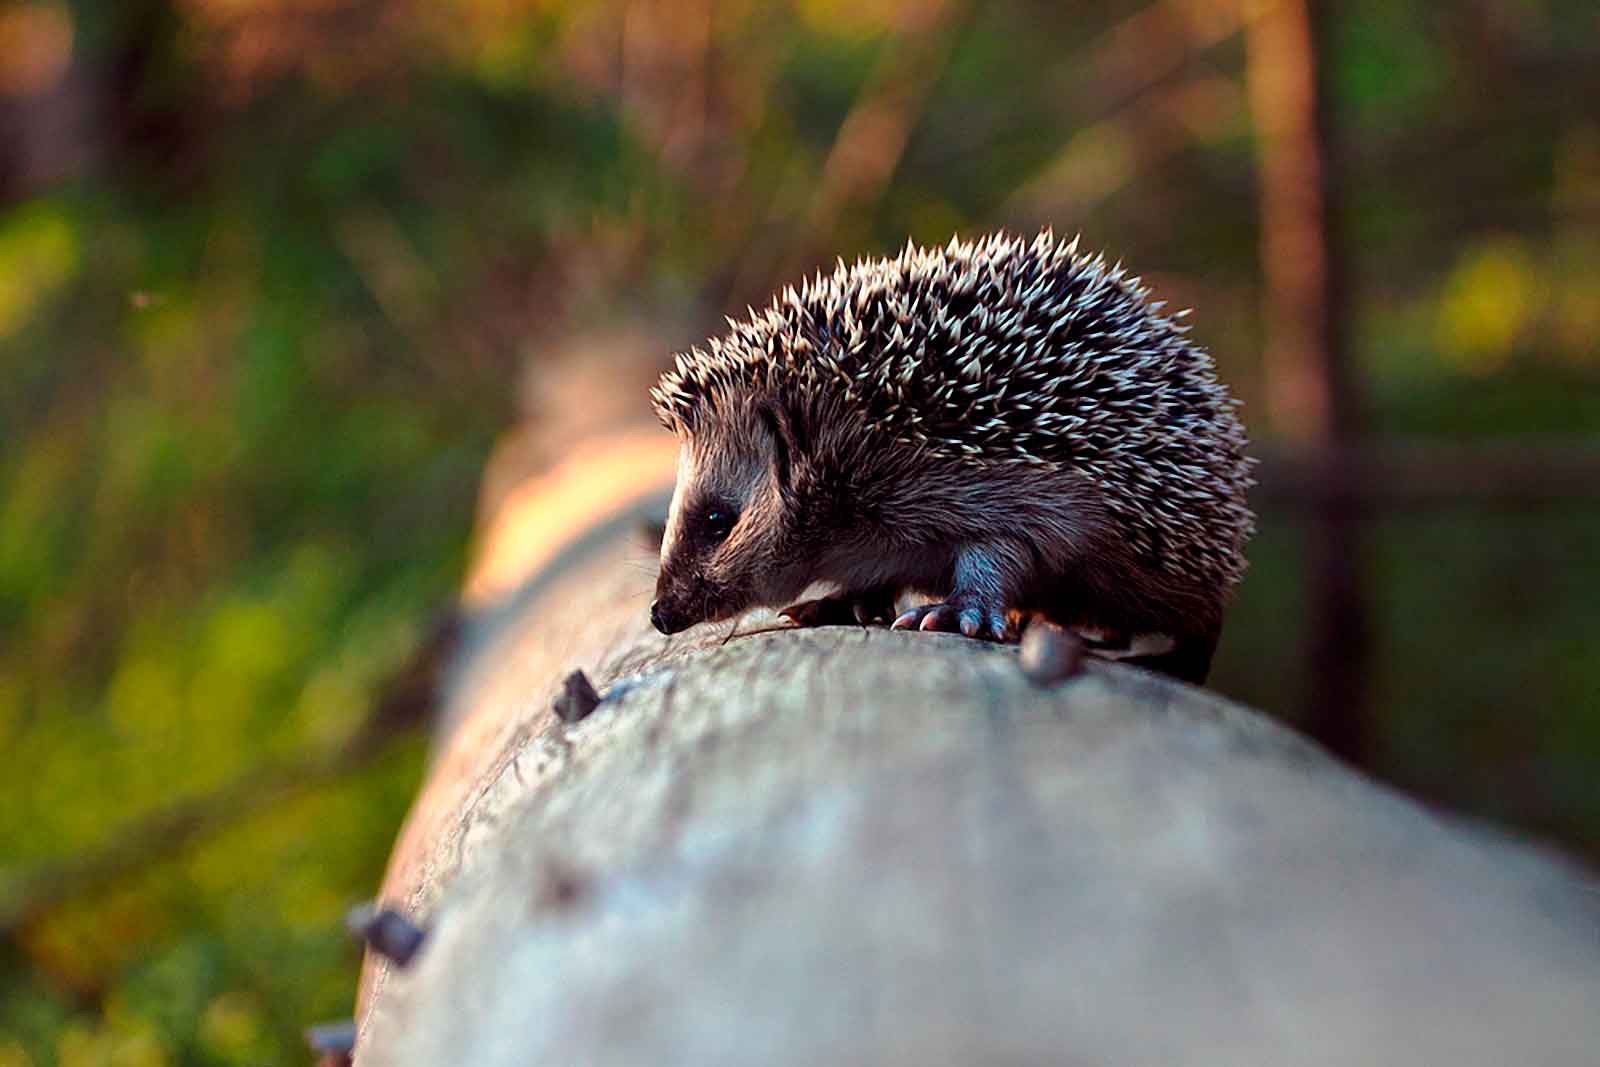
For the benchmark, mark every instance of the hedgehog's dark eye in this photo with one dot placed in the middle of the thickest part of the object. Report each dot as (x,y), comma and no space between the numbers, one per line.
(718,523)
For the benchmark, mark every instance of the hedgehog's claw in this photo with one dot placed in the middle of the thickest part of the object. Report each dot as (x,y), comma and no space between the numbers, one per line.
(908,620)
(958,615)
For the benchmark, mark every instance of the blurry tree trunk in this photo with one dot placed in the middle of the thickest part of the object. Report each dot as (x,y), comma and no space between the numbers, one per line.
(1312,396)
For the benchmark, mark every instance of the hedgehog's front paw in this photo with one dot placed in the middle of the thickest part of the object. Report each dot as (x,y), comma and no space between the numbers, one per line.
(855,610)
(967,615)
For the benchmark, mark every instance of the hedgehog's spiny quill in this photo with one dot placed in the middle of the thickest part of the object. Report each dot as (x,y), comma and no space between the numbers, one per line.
(1006,351)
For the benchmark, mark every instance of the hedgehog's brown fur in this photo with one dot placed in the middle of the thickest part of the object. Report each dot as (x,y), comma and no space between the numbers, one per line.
(1028,385)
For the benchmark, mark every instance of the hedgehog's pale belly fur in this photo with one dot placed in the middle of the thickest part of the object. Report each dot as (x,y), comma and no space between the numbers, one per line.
(1005,395)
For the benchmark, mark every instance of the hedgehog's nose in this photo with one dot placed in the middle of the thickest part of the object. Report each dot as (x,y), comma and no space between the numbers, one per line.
(665,619)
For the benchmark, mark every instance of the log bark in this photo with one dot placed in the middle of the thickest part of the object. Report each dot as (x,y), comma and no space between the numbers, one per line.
(853,846)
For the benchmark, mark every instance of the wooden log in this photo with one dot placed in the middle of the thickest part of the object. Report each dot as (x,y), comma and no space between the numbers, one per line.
(851,846)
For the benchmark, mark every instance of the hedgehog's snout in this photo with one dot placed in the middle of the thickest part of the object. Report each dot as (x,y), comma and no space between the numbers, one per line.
(680,604)
(668,619)
(673,609)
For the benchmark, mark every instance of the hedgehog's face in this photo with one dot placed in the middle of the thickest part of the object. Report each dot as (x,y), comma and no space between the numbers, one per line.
(728,539)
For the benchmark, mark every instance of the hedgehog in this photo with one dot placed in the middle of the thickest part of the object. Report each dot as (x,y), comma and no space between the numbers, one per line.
(1000,430)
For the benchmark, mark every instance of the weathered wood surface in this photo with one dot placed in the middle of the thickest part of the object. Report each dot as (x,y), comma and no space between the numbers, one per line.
(847,846)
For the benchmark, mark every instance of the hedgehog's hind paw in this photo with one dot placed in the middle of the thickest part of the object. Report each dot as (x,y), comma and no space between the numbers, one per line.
(859,609)
(963,615)
(824,611)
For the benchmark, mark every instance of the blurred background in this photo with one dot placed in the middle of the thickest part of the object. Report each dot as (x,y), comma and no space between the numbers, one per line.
(276,274)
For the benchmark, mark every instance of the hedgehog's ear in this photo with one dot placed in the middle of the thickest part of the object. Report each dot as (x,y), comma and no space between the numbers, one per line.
(785,441)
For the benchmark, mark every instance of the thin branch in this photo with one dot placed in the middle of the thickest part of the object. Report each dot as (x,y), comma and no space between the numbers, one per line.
(870,142)
(1131,76)
(1102,158)
(872,139)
